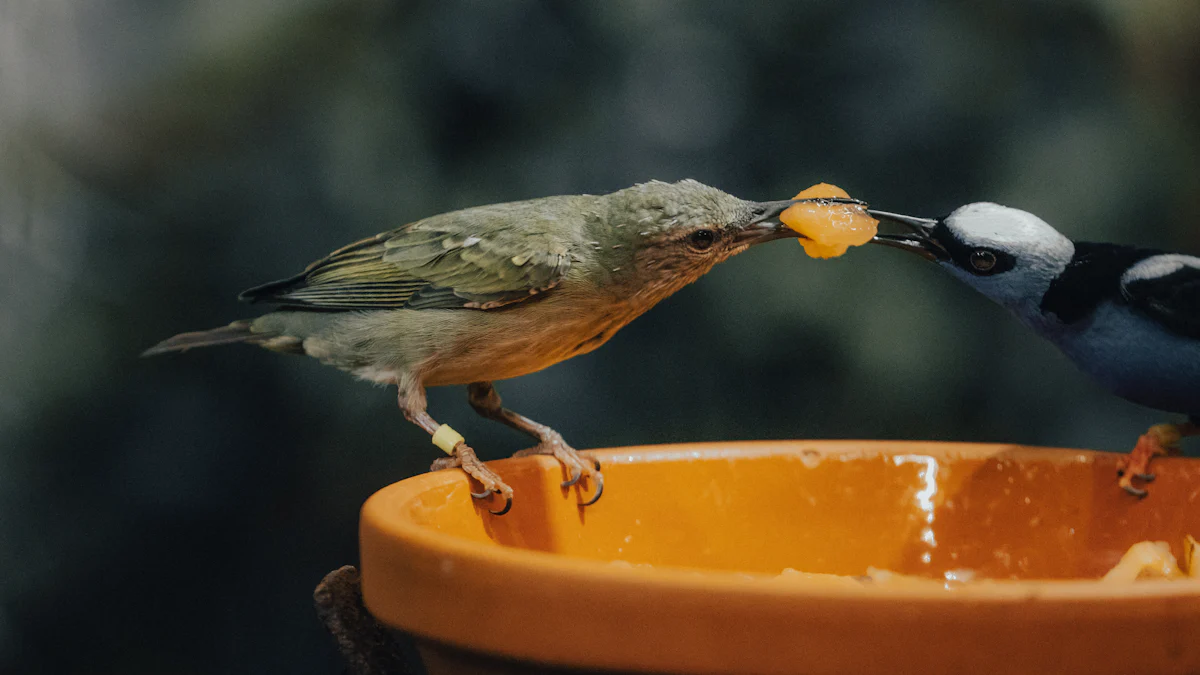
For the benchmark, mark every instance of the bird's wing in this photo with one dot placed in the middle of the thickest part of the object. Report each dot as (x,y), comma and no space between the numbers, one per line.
(439,263)
(1167,289)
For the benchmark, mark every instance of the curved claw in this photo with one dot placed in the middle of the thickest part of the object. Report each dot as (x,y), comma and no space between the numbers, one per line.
(507,506)
(1136,492)
(483,495)
(1148,477)
(599,490)
(575,476)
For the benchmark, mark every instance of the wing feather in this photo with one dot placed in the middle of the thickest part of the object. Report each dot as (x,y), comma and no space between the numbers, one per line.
(443,262)
(1167,289)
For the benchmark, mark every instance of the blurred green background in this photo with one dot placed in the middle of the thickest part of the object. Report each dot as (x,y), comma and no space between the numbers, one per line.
(173,515)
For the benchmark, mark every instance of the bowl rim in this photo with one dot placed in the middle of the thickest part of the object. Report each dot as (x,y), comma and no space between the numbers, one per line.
(541,575)
(693,577)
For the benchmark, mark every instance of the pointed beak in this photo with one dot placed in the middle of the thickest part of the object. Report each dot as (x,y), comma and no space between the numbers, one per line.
(919,239)
(765,226)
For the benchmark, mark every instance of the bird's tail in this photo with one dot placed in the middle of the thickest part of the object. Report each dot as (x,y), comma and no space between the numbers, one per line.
(238,331)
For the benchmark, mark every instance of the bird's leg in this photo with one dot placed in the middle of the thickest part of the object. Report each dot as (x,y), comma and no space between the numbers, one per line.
(486,402)
(1160,440)
(412,403)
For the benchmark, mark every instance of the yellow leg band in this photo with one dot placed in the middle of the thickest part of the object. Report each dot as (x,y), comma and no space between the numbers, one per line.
(446,438)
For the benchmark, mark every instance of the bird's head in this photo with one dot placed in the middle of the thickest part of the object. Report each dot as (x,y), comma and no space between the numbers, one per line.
(1009,255)
(666,235)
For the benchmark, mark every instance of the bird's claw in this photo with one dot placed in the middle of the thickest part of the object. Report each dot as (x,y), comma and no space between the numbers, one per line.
(1159,441)
(579,465)
(576,474)
(507,506)
(464,458)
(1126,482)
(487,494)
(599,477)
(1135,491)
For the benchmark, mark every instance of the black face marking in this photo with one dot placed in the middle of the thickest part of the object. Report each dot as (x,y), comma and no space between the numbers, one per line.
(980,261)
(1092,276)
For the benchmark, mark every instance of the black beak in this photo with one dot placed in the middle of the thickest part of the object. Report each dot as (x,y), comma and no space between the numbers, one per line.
(765,225)
(919,239)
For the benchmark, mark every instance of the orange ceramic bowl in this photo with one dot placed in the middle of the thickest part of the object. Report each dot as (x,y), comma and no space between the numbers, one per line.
(537,590)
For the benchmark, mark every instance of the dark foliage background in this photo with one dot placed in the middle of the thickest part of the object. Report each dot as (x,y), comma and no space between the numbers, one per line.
(173,515)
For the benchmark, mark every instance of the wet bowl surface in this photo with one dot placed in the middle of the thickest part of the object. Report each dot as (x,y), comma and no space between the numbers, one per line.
(704,531)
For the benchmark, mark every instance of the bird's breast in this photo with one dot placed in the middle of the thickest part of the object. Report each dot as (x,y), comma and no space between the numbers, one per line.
(525,339)
(1137,359)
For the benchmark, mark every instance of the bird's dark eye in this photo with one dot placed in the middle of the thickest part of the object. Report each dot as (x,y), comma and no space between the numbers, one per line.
(983,261)
(702,240)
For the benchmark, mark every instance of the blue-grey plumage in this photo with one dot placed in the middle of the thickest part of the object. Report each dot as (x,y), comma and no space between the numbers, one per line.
(499,291)
(1126,316)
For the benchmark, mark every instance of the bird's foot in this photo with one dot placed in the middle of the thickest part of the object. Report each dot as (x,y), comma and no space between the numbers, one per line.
(465,459)
(1159,441)
(578,464)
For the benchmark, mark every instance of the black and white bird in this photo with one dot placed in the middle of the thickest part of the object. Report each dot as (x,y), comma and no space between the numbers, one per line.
(1128,317)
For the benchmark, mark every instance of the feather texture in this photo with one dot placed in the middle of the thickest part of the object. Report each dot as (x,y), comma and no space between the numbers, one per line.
(1167,289)
(479,261)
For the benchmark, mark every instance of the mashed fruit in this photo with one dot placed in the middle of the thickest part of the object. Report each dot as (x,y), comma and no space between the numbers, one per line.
(1146,560)
(1154,560)
(830,229)
(1143,560)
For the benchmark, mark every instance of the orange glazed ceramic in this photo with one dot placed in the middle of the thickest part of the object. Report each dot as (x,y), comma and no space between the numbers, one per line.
(714,525)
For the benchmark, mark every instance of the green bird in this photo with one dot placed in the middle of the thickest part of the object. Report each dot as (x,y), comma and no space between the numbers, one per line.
(495,292)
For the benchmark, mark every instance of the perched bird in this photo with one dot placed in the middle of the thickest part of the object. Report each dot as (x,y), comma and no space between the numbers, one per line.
(1129,317)
(495,292)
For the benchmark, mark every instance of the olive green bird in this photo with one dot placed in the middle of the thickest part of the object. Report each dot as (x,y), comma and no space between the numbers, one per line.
(496,292)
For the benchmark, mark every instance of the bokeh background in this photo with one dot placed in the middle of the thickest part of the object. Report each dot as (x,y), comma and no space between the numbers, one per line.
(173,515)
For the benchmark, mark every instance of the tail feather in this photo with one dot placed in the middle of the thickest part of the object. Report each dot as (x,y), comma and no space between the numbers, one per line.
(238,331)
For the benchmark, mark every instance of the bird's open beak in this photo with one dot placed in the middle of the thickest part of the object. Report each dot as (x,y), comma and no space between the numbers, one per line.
(766,226)
(919,239)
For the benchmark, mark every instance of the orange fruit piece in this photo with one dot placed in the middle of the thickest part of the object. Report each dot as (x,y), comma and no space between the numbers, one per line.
(829,230)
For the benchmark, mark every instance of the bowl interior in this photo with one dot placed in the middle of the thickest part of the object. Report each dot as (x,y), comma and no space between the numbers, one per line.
(999,512)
